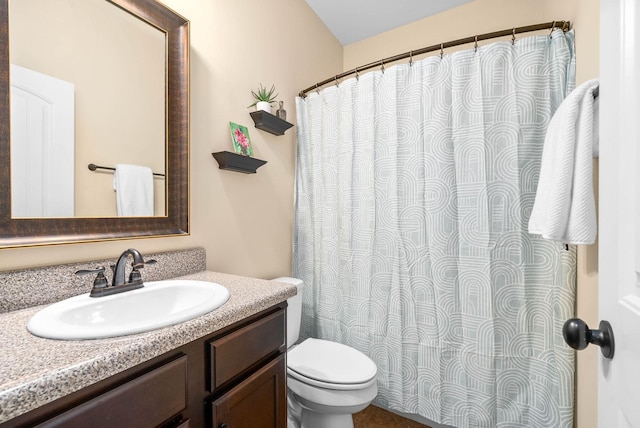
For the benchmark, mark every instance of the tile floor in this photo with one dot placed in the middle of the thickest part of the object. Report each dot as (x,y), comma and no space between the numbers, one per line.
(375,417)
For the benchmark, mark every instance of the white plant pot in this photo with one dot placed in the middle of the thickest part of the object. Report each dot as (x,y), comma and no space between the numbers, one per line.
(263,105)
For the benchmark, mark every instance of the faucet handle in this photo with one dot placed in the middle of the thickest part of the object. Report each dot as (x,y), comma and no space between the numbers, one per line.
(135,277)
(141,264)
(100,281)
(83,272)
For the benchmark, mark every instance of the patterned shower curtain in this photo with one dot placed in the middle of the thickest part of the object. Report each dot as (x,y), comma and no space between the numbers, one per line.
(413,192)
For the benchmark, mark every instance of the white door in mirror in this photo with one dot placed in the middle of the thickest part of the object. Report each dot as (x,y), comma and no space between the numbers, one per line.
(158,304)
(42,145)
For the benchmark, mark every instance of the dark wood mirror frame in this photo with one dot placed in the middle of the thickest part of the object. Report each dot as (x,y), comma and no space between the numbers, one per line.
(18,232)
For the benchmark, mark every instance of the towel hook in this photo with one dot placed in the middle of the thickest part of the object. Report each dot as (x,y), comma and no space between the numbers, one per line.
(441,50)
(475,44)
(513,36)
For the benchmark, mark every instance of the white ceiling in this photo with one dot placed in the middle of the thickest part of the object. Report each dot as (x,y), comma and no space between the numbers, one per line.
(353,20)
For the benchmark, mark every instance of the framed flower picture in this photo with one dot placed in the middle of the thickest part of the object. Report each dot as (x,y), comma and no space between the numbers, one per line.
(240,137)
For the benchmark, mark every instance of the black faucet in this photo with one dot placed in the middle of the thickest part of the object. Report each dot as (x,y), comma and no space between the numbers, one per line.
(119,269)
(102,288)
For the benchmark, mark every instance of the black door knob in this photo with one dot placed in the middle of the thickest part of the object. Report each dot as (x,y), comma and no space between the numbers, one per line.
(577,335)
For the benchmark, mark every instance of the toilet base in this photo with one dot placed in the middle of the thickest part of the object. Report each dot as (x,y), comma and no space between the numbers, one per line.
(311,419)
(303,414)
(313,407)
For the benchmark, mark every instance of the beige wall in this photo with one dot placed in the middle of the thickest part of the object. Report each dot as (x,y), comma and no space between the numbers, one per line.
(483,16)
(116,81)
(243,221)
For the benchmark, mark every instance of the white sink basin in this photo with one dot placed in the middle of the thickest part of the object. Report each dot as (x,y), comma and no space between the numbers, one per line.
(157,304)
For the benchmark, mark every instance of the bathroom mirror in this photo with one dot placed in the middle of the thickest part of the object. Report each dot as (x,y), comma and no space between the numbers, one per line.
(80,98)
(174,34)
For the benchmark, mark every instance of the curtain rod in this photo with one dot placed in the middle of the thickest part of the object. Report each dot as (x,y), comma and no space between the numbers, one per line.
(93,167)
(564,25)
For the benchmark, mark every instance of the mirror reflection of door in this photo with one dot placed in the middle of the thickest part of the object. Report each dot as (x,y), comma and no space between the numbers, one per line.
(116,63)
(42,152)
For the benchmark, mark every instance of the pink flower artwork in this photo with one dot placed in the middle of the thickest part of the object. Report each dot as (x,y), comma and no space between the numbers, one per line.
(241,141)
(241,138)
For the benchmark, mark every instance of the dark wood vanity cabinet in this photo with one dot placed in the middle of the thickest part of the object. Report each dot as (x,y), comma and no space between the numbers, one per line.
(235,378)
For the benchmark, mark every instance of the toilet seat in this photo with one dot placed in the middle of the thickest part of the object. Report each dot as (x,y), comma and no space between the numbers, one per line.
(330,365)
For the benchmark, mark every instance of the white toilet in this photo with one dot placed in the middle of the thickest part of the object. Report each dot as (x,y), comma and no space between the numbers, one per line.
(327,381)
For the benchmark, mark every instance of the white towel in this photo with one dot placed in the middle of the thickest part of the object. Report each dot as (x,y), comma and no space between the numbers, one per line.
(564,209)
(134,190)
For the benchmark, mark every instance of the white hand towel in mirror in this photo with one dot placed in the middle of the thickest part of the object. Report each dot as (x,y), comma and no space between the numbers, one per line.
(134,190)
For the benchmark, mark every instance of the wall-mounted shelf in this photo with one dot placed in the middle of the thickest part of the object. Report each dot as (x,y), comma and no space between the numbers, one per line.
(239,163)
(270,123)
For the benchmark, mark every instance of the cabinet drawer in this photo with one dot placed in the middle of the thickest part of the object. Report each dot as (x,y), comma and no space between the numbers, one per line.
(146,401)
(233,354)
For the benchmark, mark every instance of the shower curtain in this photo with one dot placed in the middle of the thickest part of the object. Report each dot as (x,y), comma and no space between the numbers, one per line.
(413,190)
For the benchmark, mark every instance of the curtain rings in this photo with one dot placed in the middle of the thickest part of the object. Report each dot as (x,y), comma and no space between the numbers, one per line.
(336,79)
(553,26)
(410,58)
(357,75)
(382,65)
(317,90)
(513,36)
(441,50)
(475,44)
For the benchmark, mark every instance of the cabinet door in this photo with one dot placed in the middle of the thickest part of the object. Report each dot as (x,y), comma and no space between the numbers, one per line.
(258,402)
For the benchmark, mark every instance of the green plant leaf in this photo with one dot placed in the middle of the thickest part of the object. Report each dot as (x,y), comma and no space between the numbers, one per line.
(264,94)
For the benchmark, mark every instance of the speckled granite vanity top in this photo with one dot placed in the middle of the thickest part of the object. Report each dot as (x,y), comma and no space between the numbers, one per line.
(35,371)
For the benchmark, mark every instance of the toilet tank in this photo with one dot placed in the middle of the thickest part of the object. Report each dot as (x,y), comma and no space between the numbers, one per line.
(294,310)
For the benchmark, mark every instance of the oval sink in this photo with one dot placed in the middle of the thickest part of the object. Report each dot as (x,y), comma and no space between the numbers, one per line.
(157,304)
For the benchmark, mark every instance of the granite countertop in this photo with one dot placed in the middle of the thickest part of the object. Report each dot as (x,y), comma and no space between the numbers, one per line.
(36,371)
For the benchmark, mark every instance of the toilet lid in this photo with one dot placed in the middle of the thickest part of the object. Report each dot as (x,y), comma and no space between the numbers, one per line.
(330,362)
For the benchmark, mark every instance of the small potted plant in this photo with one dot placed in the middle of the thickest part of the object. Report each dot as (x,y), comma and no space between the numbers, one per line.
(264,98)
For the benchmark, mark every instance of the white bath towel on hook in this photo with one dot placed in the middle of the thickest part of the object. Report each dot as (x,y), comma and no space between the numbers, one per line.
(134,190)
(564,209)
